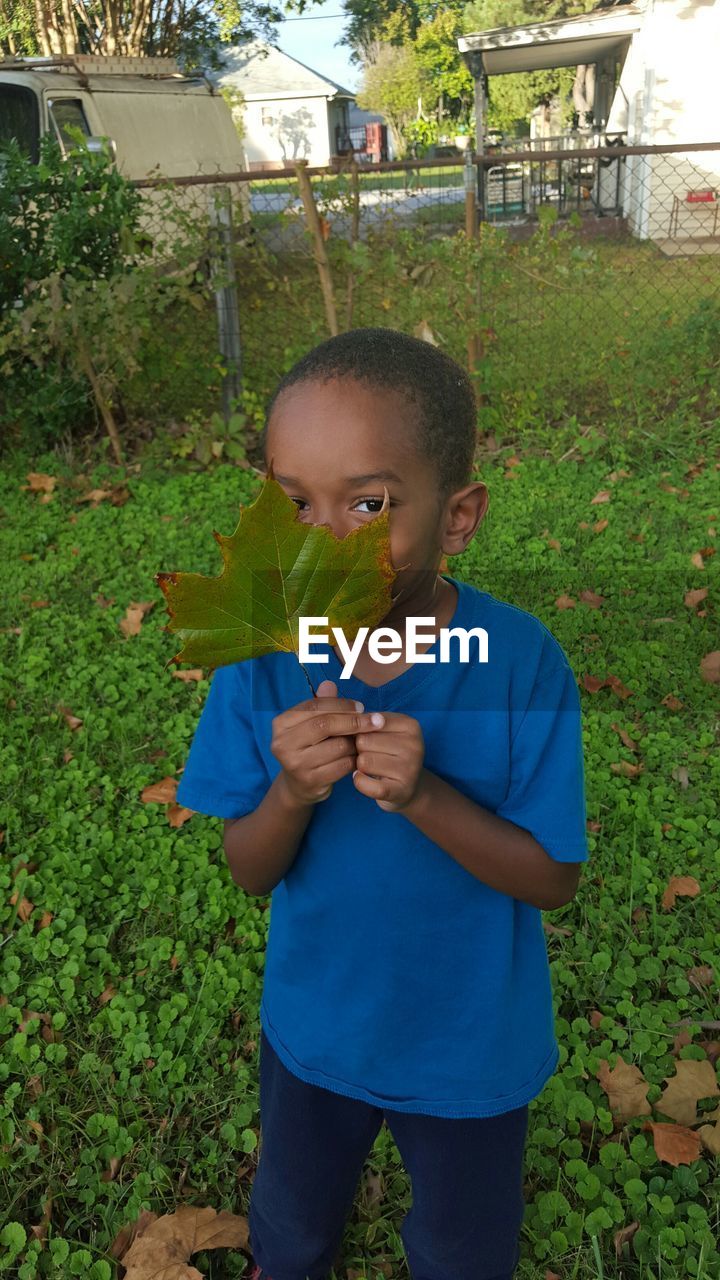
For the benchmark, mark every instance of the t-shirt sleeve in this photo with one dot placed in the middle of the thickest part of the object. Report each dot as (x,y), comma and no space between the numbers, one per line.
(225,775)
(547,782)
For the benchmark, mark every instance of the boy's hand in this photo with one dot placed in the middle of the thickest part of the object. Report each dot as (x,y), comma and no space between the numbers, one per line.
(315,742)
(390,761)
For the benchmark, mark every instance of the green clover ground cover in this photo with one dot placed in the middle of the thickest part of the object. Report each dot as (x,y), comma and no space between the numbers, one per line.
(128,1017)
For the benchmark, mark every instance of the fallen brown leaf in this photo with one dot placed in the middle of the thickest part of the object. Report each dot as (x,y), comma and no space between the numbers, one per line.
(40,482)
(118,496)
(692,1081)
(709,1135)
(130,625)
(624,737)
(593,684)
(178,815)
(626,1089)
(71,721)
(701,976)
(603,496)
(40,1228)
(679,887)
(627,769)
(592,599)
(164,1249)
(673,1143)
(617,686)
(130,1232)
(25,907)
(162,792)
(710,667)
(112,1170)
(624,1236)
(694,598)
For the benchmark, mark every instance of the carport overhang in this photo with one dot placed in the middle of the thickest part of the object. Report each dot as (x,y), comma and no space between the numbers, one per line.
(561,42)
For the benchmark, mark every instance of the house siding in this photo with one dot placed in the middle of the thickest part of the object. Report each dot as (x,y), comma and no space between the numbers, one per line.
(281,130)
(666,95)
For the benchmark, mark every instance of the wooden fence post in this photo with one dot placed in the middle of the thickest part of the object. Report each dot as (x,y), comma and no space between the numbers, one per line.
(321,258)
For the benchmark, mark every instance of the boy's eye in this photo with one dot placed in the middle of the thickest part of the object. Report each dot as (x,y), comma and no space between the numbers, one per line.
(378,504)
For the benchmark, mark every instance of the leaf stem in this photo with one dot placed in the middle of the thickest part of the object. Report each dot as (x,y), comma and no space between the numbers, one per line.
(307,677)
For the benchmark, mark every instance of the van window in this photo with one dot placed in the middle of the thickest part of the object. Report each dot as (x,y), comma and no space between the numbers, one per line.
(64,112)
(20,119)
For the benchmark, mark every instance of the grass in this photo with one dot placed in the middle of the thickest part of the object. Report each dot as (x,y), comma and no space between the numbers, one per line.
(130,992)
(136,1086)
(611,356)
(439,176)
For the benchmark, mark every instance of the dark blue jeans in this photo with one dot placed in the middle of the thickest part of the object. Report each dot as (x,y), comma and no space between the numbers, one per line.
(466,1178)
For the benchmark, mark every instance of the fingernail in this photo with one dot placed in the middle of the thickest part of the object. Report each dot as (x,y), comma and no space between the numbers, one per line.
(377,719)
(359,706)
(355,771)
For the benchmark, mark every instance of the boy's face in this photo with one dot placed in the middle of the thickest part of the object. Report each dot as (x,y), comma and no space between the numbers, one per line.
(334,445)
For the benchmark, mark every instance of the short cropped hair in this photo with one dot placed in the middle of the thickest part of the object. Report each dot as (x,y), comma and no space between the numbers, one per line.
(436,386)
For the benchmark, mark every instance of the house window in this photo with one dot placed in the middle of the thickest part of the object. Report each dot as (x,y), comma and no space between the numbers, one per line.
(267,117)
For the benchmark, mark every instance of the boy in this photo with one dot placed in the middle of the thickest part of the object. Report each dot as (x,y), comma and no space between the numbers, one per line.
(409,852)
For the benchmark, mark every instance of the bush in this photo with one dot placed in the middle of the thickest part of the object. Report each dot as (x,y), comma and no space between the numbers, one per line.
(84,286)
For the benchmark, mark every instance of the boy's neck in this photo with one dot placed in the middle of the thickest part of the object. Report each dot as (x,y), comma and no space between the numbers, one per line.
(434,598)
(440,603)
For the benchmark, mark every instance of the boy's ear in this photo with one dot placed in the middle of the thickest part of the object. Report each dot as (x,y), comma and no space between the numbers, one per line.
(466,510)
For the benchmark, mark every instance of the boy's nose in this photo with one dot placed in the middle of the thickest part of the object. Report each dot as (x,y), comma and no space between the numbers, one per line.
(335,527)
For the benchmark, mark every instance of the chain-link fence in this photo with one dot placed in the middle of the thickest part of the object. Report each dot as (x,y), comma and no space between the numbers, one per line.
(576,272)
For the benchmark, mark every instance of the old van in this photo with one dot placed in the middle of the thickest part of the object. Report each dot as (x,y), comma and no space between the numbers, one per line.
(160,122)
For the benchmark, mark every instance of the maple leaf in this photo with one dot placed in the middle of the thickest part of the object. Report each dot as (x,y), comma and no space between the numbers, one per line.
(626,1089)
(162,1249)
(674,1143)
(692,1081)
(276,570)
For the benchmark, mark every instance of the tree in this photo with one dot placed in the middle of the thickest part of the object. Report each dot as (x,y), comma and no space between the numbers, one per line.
(191,32)
(513,97)
(369,24)
(449,89)
(393,86)
(414,74)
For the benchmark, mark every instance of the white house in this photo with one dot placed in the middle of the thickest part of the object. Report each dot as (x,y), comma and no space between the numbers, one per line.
(655,66)
(291,112)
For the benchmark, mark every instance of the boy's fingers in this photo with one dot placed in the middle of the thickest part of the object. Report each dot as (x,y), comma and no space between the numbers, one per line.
(323,706)
(327,724)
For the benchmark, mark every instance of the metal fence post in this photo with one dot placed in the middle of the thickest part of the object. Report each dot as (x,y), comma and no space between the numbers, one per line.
(226,298)
(470,196)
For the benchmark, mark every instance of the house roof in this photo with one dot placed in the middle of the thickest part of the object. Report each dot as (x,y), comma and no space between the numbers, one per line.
(261,71)
(560,42)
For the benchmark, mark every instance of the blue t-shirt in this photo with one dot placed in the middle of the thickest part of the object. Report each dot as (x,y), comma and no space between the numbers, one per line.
(392,974)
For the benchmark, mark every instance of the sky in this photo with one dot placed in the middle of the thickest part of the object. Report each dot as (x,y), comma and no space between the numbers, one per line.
(311,39)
